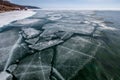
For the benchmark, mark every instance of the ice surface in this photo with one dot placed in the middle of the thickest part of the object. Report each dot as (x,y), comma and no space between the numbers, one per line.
(83,29)
(4,53)
(26,21)
(46,44)
(101,23)
(32,41)
(67,35)
(35,65)
(12,67)
(30,32)
(18,51)
(61,45)
(55,17)
(5,76)
(104,26)
(47,32)
(73,54)
(7,17)
(7,40)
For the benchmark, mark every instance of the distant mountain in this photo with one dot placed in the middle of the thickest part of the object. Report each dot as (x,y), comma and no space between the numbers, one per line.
(8,6)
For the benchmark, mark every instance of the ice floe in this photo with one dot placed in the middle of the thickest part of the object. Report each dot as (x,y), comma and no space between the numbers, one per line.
(46,44)
(30,32)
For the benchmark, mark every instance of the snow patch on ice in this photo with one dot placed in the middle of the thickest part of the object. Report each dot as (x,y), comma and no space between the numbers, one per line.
(103,25)
(7,17)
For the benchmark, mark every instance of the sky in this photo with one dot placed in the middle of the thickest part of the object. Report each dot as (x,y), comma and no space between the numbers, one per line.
(72,4)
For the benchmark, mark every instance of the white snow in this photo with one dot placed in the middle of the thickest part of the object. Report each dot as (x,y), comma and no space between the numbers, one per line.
(103,25)
(8,17)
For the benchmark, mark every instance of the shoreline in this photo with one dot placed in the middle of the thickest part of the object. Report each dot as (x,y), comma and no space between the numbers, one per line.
(10,16)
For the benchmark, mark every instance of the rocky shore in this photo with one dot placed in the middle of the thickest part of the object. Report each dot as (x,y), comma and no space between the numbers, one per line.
(8,6)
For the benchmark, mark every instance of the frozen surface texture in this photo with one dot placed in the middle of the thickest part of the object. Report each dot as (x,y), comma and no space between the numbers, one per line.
(61,45)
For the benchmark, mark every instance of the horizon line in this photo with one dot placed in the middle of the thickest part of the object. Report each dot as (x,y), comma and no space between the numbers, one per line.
(113,9)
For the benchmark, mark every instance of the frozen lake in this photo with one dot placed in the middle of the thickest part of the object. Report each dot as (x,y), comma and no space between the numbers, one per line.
(62,45)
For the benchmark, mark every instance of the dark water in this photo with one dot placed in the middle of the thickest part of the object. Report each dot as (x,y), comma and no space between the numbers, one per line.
(63,45)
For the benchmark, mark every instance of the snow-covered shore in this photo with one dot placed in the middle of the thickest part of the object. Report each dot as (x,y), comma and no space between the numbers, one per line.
(8,17)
